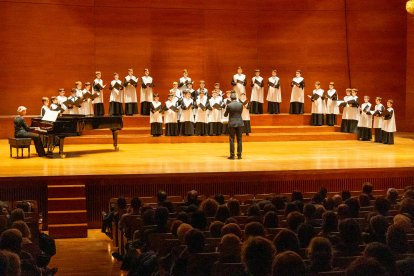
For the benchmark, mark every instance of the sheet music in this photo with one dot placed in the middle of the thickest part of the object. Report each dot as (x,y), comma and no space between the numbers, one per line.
(50,116)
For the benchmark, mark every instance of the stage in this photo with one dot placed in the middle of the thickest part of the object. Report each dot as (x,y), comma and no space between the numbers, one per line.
(142,169)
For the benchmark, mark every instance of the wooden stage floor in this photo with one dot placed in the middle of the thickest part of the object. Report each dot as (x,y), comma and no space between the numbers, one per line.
(101,159)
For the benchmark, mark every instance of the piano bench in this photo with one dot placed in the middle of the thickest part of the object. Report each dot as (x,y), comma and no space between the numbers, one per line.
(20,143)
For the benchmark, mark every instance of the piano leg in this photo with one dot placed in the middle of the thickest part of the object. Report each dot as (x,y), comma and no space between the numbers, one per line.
(115,138)
(61,142)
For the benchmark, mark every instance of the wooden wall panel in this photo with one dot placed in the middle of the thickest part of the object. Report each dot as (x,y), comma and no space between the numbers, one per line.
(48,44)
(409,122)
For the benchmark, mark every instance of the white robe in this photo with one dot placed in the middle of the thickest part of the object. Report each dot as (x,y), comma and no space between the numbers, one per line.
(318,105)
(214,114)
(257,91)
(170,116)
(245,113)
(43,110)
(378,120)
(353,112)
(146,93)
(201,116)
(205,92)
(297,92)
(61,100)
(177,92)
(345,111)
(225,119)
(130,94)
(365,120)
(156,117)
(87,107)
(116,95)
(331,107)
(187,115)
(239,87)
(100,98)
(274,94)
(389,125)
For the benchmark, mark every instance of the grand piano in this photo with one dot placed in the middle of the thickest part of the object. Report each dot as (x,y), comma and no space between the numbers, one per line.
(73,125)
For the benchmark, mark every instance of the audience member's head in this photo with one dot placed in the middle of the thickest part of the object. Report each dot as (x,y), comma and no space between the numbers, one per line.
(215,229)
(286,240)
(182,231)
(364,200)
(329,204)
(279,202)
(209,207)
(121,203)
(409,194)
(378,226)
(345,195)
(222,213)
(406,267)
(16,214)
(257,256)
(288,263)
(353,205)
(194,239)
(174,226)
(337,199)
(323,192)
(291,207)
(136,203)
(367,189)
(148,217)
(161,196)
(403,221)
(305,234)
(296,196)
(253,211)
(383,255)
(219,198)
(309,211)
(22,227)
(320,254)
(11,240)
(271,220)
(199,220)
(350,232)
(229,249)
(269,207)
(253,229)
(318,198)
(294,219)
(364,266)
(329,222)
(407,207)
(192,198)
(382,205)
(9,263)
(231,228)
(397,239)
(343,211)
(392,195)
(234,207)
(183,216)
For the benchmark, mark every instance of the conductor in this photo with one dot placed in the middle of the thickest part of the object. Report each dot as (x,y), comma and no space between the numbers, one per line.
(234,110)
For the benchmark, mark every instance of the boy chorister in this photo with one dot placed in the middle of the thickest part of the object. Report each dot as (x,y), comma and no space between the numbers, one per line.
(317,105)
(45,106)
(257,95)
(184,80)
(130,94)
(187,115)
(353,112)
(170,115)
(297,96)
(345,111)
(245,114)
(201,116)
(239,82)
(214,117)
(87,104)
(378,120)
(191,90)
(147,83)
(156,116)
(73,108)
(202,88)
(115,100)
(274,96)
(365,121)
(54,106)
(98,102)
(224,119)
(388,126)
(61,99)
(217,88)
(178,94)
(332,109)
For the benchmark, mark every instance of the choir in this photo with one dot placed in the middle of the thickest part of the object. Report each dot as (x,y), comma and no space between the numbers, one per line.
(194,112)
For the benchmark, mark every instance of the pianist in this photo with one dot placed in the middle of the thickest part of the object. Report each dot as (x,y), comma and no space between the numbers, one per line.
(21,130)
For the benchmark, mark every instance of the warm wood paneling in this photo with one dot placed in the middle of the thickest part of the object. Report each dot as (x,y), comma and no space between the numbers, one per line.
(47,44)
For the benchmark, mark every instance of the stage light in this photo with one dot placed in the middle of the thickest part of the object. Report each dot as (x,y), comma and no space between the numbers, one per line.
(409,6)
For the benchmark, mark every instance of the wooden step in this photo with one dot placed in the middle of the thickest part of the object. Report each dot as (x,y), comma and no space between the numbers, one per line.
(254,137)
(64,231)
(67,217)
(62,191)
(66,204)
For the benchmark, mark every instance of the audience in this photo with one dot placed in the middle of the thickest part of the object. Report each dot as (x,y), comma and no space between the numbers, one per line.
(288,263)
(257,256)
